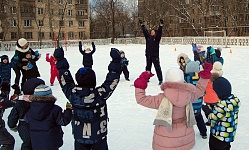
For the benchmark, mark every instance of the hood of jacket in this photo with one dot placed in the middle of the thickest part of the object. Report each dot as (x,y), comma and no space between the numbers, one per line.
(179,94)
(185,57)
(41,106)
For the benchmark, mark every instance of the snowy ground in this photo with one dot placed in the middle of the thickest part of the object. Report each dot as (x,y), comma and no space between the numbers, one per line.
(131,125)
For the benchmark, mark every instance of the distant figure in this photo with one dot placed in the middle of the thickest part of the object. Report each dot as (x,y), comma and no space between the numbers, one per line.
(53,70)
(124,65)
(87,55)
(152,49)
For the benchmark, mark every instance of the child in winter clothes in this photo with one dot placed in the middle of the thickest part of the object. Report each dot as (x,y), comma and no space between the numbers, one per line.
(210,98)
(199,53)
(192,77)
(124,65)
(7,141)
(45,119)
(20,109)
(87,55)
(5,73)
(53,70)
(218,57)
(25,62)
(175,118)
(182,60)
(90,118)
(224,116)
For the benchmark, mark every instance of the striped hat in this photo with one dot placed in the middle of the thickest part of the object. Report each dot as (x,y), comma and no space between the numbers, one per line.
(42,90)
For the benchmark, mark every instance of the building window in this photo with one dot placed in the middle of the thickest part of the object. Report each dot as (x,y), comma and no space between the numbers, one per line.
(60,2)
(193,20)
(52,12)
(69,2)
(40,23)
(199,21)
(70,12)
(61,22)
(13,10)
(39,0)
(3,8)
(70,23)
(81,34)
(13,23)
(41,34)
(81,23)
(62,34)
(13,35)
(70,35)
(40,11)
(61,12)
(81,12)
(52,22)
(27,23)
(28,35)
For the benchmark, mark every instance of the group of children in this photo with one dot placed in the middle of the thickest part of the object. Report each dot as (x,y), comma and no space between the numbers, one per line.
(34,114)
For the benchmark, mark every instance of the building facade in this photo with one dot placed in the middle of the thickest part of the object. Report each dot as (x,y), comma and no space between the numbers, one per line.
(197,17)
(45,19)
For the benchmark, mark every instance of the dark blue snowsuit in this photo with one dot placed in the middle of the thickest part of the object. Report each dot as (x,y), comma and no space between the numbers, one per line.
(87,57)
(90,119)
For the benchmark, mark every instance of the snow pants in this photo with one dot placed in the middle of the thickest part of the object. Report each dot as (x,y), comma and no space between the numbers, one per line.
(156,63)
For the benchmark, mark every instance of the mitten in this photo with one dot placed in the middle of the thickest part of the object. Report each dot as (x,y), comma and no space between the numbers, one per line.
(36,53)
(161,22)
(68,105)
(142,81)
(93,46)
(62,64)
(14,129)
(141,22)
(206,73)
(59,53)
(2,105)
(194,47)
(30,66)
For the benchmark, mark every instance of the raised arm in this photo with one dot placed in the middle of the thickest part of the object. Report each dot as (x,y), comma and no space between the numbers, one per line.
(94,48)
(63,118)
(145,31)
(47,57)
(112,77)
(80,48)
(159,31)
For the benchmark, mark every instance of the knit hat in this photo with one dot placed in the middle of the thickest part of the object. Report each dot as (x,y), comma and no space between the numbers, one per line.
(200,48)
(30,85)
(222,87)
(87,46)
(174,75)
(42,90)
(20,43)
(192,66)
(217,68)
(4,57)
(121,52)
(85,77)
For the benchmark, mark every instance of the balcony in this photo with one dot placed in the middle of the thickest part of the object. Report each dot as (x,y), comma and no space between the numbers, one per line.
(81,6)
(81,16)
(28,15)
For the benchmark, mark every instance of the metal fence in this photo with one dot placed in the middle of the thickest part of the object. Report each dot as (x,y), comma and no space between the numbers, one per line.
(225,41)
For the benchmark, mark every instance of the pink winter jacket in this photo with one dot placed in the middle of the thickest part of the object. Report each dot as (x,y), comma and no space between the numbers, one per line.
(179,94)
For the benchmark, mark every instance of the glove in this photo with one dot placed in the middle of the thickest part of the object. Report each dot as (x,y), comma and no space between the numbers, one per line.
(25,68)
(142,81)
(36,53)
(206,73)
(30,66)
(59,53)
(47,54)
(68,105)
(62,64)
(161,22)
(194,47)
(14,129)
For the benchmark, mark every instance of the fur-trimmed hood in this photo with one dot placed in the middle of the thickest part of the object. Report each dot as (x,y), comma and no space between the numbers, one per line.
(185,57)
(41,106)
(48,98)
(214,77)
(178,93)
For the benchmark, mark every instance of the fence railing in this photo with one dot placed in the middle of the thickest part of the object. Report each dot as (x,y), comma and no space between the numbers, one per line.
(225,41)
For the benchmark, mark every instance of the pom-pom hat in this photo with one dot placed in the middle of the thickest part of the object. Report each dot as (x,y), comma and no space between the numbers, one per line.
(85,77)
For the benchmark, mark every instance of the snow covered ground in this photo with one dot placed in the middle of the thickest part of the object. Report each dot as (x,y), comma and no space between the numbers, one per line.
(131,125)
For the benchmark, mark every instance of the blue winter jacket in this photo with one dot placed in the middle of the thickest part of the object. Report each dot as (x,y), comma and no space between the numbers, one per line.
(124,62)
(89,122)
(5,71)
(45,120)
(152,42)
(193,78)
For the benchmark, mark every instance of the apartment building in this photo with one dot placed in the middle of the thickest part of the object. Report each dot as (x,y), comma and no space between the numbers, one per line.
(45,19)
